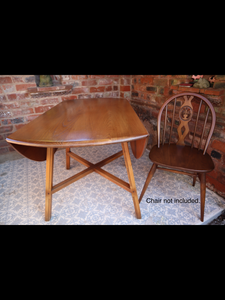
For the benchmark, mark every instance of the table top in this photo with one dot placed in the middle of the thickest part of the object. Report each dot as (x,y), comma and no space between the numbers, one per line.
(82,122)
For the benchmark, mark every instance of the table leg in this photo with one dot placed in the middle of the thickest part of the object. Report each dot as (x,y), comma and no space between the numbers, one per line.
(49,183)
(67,159)
(130,174)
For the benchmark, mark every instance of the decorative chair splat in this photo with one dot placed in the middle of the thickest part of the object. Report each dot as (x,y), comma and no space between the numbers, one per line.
(185,115)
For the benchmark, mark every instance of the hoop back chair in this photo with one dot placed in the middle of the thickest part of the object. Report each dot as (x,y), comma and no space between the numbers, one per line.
(184,157)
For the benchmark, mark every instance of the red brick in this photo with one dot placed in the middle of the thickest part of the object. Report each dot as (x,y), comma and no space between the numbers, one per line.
(147,80)
(211,91)
(221,177)
(6,121)
(77,77)
(17,79)
(213,174)
(5,114)
(160,100)
(96,76)
(125,88)
(116,94)
(217,185)
(26,111)
(188,89)
(97,89)
(166,91)
(218,145)
(70,97)
(108,88)
(1,90)
(18,126)
(8,88)
(32,89)
(160,82)
(18,96)
(84,96)
(31,117)
(176,92)
(115,88)
(23,87)
(196,106)
(125,76)
(105,81)
(98,95)
(124,81)
(89,82)
(9,106)
(42,109)
(79,90)
(4,129)
(3,98)
(5,79)
(47,88)
(49,101)
(65,77)
(25,104)
(113,76)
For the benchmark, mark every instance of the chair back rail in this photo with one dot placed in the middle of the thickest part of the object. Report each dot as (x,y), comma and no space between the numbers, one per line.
(185,116)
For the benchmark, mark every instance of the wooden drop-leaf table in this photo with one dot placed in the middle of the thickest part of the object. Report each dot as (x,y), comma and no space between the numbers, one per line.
(83,122)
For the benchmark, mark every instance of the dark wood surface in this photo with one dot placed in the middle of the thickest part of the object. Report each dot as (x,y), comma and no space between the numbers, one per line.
(82,122)
(181,158)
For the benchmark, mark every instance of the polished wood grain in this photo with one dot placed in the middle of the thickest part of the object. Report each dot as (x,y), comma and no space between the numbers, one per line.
(181,158)
(33,153)
(131,179)
(67,158)
(138,147)
(49,183)
(83,122)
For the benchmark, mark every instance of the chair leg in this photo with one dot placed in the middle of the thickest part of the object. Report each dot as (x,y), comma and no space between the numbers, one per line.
(202,193)
(150,174)
(194,180)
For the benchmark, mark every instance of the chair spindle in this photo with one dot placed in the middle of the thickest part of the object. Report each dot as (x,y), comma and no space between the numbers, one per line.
(164,131)
(203,131)
(174,108)
(196,123)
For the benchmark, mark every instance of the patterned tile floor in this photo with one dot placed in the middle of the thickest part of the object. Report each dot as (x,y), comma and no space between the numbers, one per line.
(96,200)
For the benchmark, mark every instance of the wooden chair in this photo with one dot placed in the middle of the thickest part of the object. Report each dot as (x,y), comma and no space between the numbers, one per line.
(180,157)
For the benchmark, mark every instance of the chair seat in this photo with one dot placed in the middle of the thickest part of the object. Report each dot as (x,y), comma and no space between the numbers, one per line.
(181,158)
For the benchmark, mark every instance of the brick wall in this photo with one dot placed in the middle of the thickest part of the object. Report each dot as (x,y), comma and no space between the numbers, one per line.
(149,92)
(19,106)
(146,94)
